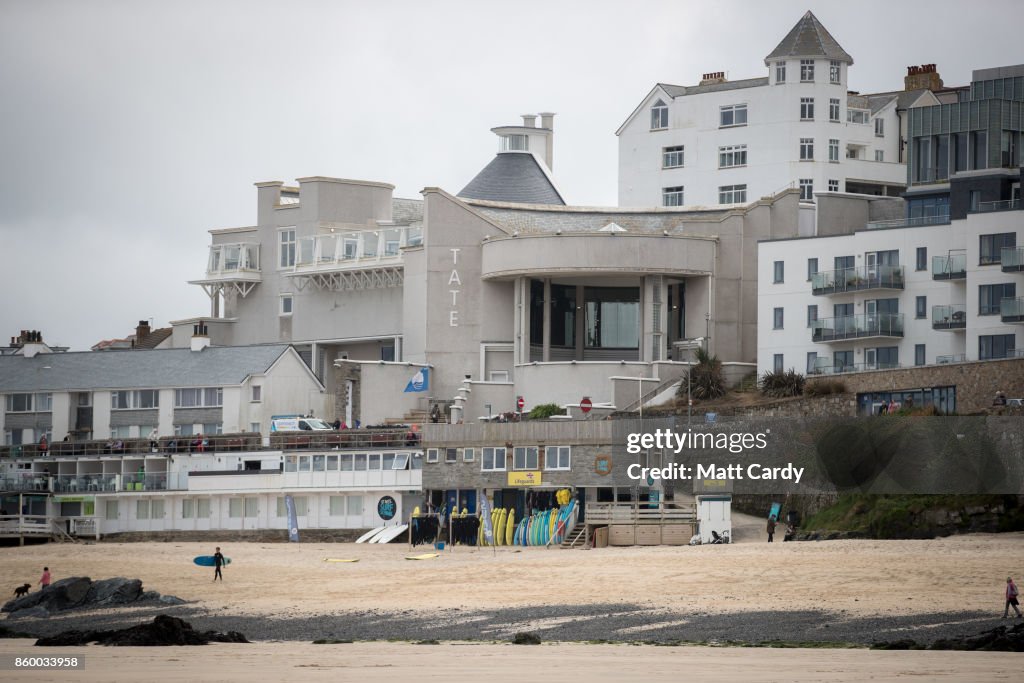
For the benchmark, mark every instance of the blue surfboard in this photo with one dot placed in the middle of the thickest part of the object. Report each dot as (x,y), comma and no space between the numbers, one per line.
(207,560)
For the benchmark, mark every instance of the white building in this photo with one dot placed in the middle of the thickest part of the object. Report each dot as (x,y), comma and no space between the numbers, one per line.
(725,142)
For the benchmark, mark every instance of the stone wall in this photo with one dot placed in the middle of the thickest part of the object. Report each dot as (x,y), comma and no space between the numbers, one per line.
(976,382)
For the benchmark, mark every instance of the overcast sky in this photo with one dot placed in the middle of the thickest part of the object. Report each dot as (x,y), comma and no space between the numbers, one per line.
(129,129)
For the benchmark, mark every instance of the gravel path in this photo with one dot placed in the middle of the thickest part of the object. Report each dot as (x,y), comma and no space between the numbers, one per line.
(607,622)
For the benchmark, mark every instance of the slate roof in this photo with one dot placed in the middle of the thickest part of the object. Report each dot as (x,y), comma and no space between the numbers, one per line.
(406,211)
(513,177)
(810,39)
(138,369)
(154,338)
(681,90)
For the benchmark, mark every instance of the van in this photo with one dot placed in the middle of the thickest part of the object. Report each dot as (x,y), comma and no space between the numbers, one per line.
(297,423)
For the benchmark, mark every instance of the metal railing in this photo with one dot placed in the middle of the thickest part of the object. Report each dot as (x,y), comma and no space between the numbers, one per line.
(852,367)
(354,248)
(84,483)
(857,279)
(230,259)
(916,221)
(951,267)
(949,317)
(857,327)
(1011,309)
(640,512)
(1012,259)
(1004,205)
(951,358)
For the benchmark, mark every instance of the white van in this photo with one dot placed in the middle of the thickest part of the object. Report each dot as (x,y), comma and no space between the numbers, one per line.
(295,423)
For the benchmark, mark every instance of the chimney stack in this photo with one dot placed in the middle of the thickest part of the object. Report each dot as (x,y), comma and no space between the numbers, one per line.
(200,338)
(141,331)
(712,78)
(529,120)
(925,76)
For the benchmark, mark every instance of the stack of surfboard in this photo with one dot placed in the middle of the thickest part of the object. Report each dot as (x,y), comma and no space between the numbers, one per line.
(546,527)
(503,523)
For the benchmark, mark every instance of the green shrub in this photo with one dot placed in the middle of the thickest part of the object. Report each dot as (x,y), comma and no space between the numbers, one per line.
(824,387)
(782,384)
(705,379)
(545,410)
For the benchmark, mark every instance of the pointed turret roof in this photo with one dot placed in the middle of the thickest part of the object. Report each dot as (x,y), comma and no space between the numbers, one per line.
(513,177)
(809,39)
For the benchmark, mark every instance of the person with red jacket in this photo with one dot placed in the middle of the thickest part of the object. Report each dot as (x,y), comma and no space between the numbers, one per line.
(1011,598)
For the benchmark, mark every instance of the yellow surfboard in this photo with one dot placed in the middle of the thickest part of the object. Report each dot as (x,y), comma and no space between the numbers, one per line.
(499,528)
(428,556)
(510,527)
(332,559)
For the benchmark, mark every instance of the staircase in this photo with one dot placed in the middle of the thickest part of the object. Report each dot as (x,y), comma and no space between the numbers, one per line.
(59,534)
(576,538)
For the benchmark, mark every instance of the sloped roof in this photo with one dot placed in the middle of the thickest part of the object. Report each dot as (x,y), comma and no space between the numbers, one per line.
(154,338)
(140,369)
(513,177)
(681,90)
(810,39)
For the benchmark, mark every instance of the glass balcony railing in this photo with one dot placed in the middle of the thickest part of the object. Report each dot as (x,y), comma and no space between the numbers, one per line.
(915,221)
(951,267)
(857,279)
(355,248)
(233,259)
(852,367)
(1012,259)
(857,327)
(1011,310)
(1005,205)
(951,358)
(949,317)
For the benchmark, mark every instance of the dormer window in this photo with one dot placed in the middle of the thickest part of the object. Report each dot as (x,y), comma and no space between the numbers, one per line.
(515,143)
(659,116)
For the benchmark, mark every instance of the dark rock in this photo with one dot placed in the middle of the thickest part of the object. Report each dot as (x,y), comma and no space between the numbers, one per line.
(149,595)
(117,591)
(165,630)
(38,612)
(905,644)
(170,600)
(526,639)
(8,633)
(60,595)
(999,639)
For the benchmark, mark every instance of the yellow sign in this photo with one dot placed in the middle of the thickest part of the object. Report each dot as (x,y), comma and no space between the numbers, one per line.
(524,478)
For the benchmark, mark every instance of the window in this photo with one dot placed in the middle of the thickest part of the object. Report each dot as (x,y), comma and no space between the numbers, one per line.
(806,149)
(879,155)
(979,149)
(187,508)
(286,243)
(235,507)
(735,155)
(492,460)
(672,196)
(989,297)
(919,358)
(812,268)
(451,455)
(732,194)
(257,393)
(777,318)
(19,403)
(974,200)
(778,363)
(525,458)
(251,507)
(111,510)
(778,272)
(183,430)
(659,116)
(672,157)
(861,116)
(556,458)
(301,506)
(780,72)
(921,307)
(497,376)
(134,400)
(354,505)
(156,509)
(992,245)
(211,397)
(202,507)
(812,314)
(834,71)
(833,185)
(122,432)
(812,362)
(995,346)
(833,151)
(732,115)
(286,305)
(515,143)
(921,260)
(806,190)
(806,70)
(468,454)
(833,110)
(879,128)
(432,454)
(806,108)
(337,504)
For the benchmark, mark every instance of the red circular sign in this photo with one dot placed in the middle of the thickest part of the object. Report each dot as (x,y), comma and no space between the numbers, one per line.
(586,404)
(520,402)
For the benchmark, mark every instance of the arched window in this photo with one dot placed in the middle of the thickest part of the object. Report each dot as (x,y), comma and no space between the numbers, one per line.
(659,115)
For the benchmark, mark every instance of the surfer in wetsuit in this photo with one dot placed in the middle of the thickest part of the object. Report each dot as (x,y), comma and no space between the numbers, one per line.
(218,562)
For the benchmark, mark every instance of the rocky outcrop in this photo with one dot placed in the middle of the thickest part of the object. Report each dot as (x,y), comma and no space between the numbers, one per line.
(164,630)
(83,592)
(999,639)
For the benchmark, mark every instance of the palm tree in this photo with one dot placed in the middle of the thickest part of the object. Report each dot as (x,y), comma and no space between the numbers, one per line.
(705,378)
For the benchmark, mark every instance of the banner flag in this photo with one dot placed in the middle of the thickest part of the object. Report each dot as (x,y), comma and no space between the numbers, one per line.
(419,382)
(293,520)
(485,515)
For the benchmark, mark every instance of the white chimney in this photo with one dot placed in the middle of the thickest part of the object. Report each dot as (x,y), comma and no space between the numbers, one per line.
(31,342)
(547,122)
(200,338)
(529,120)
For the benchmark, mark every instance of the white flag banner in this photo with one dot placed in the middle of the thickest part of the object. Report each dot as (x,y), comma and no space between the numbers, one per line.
(485,513)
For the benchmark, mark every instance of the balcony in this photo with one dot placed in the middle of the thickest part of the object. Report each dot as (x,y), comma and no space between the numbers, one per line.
(861,326)
(1012,259)
(1005,205)
(851,367)
(952,267)
(857,279)
(1011,310)
(915,222)
(949,317)
(951,358)
(235,265)
(360,259)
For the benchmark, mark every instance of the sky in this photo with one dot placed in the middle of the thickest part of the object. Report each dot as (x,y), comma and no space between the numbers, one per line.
(130,129)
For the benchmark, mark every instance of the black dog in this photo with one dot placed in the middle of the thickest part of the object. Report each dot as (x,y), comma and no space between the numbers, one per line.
(22,590)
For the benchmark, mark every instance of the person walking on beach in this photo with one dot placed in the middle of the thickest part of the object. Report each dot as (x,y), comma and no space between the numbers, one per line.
(771,528)
(218,562)
(1011,598)
(44,581)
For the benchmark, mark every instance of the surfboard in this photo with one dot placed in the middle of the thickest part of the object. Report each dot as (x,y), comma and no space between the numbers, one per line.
(370,534)
(208,561)
(332,559)
(390,534)
(499,532)
(510,527)
(428,556)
